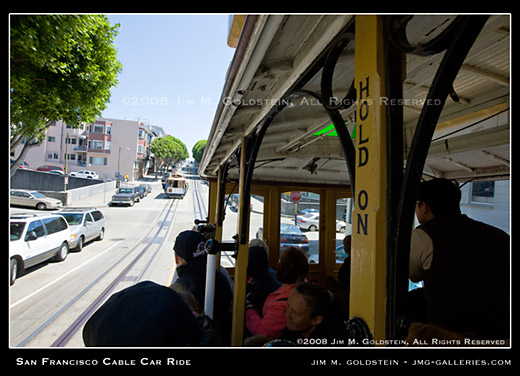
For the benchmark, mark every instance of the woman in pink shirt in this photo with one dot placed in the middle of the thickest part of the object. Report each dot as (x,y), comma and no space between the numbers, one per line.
(292,269)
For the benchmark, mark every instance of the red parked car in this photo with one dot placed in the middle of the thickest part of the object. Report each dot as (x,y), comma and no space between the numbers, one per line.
(50,168)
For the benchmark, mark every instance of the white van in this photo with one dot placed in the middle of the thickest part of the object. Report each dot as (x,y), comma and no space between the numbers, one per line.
(36,238)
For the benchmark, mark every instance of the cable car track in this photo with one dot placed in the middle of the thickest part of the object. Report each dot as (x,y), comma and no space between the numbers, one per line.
(197,201)
(166,215)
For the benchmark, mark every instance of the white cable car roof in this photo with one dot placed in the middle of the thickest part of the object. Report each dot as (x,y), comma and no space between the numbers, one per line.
(472,137)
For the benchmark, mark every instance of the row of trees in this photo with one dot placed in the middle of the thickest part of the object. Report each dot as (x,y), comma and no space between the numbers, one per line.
(198,150)
(167,151)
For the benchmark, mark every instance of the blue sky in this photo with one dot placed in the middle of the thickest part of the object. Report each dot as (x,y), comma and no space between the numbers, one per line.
(174,67)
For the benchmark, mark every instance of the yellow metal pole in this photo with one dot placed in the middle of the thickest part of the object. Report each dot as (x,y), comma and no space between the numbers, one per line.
(369,232)
(272,213)
(330,232)
(239,295)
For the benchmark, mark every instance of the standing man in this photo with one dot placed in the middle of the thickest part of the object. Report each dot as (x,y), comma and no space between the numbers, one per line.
(465,265)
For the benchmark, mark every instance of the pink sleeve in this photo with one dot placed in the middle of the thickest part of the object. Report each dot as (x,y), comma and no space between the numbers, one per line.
(273,322)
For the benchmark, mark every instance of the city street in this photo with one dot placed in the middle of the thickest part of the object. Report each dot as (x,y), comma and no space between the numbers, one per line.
(50,303)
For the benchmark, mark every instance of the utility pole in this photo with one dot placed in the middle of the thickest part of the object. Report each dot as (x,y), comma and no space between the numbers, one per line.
(66,177)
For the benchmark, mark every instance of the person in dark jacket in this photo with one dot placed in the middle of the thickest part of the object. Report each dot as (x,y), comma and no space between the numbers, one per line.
(191,259)
(465,265)
(262,281)
(344,270)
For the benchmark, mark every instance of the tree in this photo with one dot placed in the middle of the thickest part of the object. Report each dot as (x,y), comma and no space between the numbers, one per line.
(168,150)
(61,68)
(198,150)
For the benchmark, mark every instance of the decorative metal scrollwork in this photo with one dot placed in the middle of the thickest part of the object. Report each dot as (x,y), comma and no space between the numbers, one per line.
(327,100)
(438,44)
(456,40)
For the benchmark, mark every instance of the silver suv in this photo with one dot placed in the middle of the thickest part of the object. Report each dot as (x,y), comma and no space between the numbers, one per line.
(36,238)
(85,224)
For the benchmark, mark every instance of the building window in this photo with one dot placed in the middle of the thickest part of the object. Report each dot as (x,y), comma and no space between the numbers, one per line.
(98,128)
(107,145)
(100,161)
(51,139)
(483,192)
(97,144)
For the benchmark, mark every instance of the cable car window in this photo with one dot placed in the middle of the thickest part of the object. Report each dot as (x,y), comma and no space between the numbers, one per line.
(344,209)
(229,226)
(300,223)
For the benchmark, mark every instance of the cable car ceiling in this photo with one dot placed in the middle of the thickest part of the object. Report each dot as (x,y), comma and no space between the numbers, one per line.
(472,137)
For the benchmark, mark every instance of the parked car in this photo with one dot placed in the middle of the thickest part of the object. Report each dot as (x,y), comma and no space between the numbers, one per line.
(340,253)
(141,191)
(55,172)
(50,168)
(341,226)
(85,224)
(85,174)
(35,238)
(147,187)
(290,236)
(34,199)
(125,195)
(23,165)
(307,211)
(311,222)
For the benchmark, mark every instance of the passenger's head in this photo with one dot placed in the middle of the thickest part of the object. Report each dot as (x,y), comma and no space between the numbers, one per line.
(293,266)
(258,261)
(189,249)
(308,306)
(143,315)
(442,197)
(347,243)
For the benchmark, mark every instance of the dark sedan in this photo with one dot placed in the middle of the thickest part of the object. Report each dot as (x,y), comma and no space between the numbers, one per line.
(290,236)
(125,195)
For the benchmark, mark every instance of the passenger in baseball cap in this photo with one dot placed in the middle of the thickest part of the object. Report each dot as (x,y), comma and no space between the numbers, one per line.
(191,259)
(189,249)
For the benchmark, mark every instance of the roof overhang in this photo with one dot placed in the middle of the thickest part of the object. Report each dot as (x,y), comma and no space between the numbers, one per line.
(278,53)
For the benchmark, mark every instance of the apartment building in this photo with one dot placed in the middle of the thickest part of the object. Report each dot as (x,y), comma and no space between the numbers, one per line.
(106,147)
